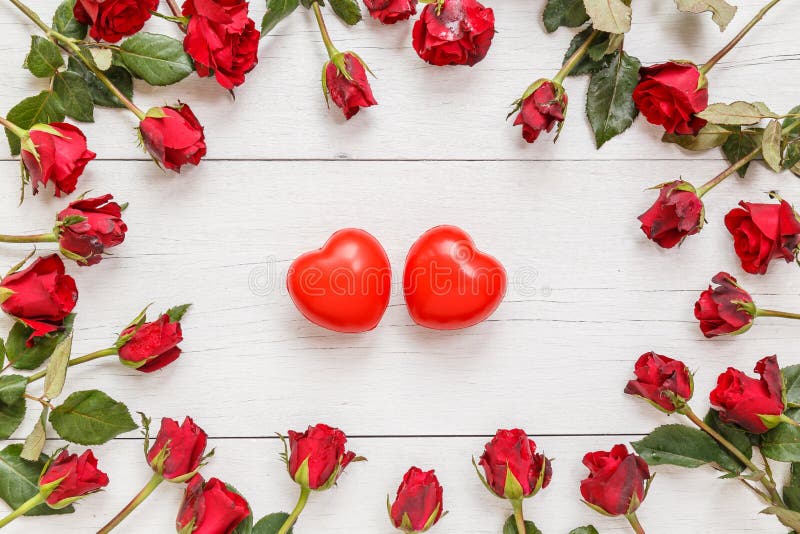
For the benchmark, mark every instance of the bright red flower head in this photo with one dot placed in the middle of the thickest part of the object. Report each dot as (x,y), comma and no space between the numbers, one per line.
(617,480)
(542,109)
(111,20)
(56,153)
(741,399)
(210,508)
(454,32)
(347,84)
(102,229)
(153,345)
(656,375)
(511,457)
(670,94)
(418,505)
(173,136)
(725,309)
(178,450)
(762,233)
(391,11)
(317,457)
(676,214)
(71,477)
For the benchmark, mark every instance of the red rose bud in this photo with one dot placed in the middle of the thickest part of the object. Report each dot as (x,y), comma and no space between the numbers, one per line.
(676,214)
(98,227)
(418,505)
(70,477)
(617,481)
(56,153)
(743,400)
(221,39)
(111,20)
(317,457)
(454,32)
(662,381)
(542,107)
(726,309)
(210,508)
(762,233)
(178,450)
(391,11)
(40,296)
(173,136)
(669,94)
(512,468)
(345,80)
(148,347)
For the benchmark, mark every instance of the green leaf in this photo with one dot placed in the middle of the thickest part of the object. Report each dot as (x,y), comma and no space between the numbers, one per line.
(64,21)
(91,418)
(738,437)
(711,136)
(771,145)
(736,113)
(101,96)
(683,446)
(613,16)
(42,108)
(792,155)
(23,357)
(791,384)
(567,13)
(19,481)
(586,65)
(347,10)
(739,144)
(34,443)
(271,524)
(277,10)
(176,313)
(74,95)
(589,529)
(11,416)
(2,353)
(44,58)
(791,491)
(510,527)
(57,369)
(12,387)
(782,443)
(721,11)
(157,59)
(609,100)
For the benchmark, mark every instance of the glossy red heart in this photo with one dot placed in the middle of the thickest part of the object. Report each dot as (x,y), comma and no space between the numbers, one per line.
(345,285)
(448,283)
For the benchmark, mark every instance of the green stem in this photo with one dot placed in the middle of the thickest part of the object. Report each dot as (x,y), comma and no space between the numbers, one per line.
(323,29)
(13,128)
(77,361)
(518,516)
(760,312)
(633,519)
(739,36)
(25,507)
(38,238)
(301,503)
(711,184)
(575,58)
(31,14)
(131,506)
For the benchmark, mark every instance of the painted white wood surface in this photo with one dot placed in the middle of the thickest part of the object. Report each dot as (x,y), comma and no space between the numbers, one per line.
(588,293)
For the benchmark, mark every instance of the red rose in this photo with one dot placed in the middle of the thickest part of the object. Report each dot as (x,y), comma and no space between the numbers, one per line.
(677,213)
(418,505)
(210,508)
(391,11)
(102,229)
(178,450)
(322,450)
(656,375)
(41,296)
(349,88)
(55,153)
(454,32)
(763,232)
(152,345)
(111,20)
(725,309)
(173,136)
(670,94)
(70,477)
(221,39)
(616,481)
(511,452)
(741,399)
(542,109)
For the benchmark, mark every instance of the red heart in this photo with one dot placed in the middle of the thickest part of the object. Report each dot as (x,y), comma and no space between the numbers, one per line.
(448,283)
(345,285)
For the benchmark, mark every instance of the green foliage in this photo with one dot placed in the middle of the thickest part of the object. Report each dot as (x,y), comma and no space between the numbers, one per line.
(44,58)
(19,481)
(74,96)
(609,100)
(590,62)
(22,356)
(566,13)
(271,524)
(155,58)
(64,21)
(683,446)
(100,94)
(91,418)
(739,144)
(277,10)
(41,108)
(782,443)
(347,10)
(510,527)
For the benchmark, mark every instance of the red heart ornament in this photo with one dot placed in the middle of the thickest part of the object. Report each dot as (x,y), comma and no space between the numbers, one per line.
(345,285)
(448,283)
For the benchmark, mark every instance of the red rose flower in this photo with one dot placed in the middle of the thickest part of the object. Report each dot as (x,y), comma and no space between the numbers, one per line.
(111,20)
(221,39)
(55,153)
(616,481)
(454,32)
(70,477)
(741,399)
(101,229)
(347,84)
(725,309)
(210,508)
(656,375)
(151,346)
(391,11)
(41,296)
(677,213)
(670,94)
(511,452)
(541,109)
(321,449)
(178,450)
(762,233)
(173,136)
(418,505)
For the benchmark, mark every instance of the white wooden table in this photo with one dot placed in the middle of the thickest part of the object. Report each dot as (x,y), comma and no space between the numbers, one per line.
(588,293)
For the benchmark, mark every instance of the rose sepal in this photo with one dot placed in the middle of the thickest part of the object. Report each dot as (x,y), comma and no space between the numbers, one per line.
(5,294)
(483,478)
(136,323)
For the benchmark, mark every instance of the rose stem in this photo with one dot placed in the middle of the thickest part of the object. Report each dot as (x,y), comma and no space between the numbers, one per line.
(38,238)
(301,503)
(633,519)
(13,128)
(760,312)
(77,361)
(25,507)
(131,506)
(575,58)
(739,36)
(323,30)
(173,6)
(518,517)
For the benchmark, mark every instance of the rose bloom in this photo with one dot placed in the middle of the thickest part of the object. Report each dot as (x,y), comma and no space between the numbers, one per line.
(418,505)
(103,228)
(184,444)
(543,109)
(75,476)
(656,375)
(210,508)
(741,399)
(153,345)
(322,448)
(391,11)
(221,39)
(668,95)
(511,450)
(173,136)
(762,233)
(458,34)
(616,481)
(60,156)
(111,20)
(349,94)
(676,214)
(720,309)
